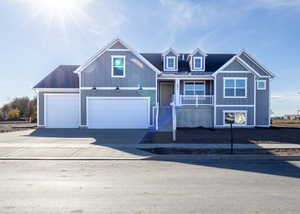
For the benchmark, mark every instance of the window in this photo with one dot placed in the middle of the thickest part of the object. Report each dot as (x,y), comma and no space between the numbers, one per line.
(235,87)
(194,88)
(261,84)
(197,62)
(118,66)
(171,62)
(238,118)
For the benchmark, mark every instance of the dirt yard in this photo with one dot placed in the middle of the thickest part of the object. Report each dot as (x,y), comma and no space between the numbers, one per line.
(278,133)
(11,126)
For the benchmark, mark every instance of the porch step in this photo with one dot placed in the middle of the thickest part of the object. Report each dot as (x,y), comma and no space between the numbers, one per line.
(165,119)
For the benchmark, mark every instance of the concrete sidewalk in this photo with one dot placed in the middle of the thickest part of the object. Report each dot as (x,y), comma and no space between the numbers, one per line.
(121,152)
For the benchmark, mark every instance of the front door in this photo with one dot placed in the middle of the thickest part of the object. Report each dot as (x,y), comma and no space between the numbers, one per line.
(166,92)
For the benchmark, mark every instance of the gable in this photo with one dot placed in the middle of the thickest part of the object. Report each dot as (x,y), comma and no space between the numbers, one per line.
(118,45)
(251,62)
(235,66)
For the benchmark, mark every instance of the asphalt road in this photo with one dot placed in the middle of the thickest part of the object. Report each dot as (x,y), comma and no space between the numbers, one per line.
(141,187)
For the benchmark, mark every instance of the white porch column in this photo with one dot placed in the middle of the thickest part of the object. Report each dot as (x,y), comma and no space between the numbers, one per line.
(177,92)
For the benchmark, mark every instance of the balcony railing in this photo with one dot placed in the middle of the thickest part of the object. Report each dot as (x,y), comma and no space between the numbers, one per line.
(196,99)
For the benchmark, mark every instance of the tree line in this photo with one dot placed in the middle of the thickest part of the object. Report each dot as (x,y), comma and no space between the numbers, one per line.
(22,108)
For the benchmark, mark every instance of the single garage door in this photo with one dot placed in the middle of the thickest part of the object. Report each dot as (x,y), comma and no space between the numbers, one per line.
(61,110)
(118,112)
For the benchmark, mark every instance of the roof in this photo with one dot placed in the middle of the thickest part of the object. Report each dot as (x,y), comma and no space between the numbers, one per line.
(212,63)
(62,77)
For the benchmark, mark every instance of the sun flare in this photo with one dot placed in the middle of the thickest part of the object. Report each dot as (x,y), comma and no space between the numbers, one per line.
(60,10)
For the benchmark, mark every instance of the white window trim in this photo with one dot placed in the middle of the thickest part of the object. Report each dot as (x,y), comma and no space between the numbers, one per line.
(167,63)
(235,111)
(265,84)
(194,63)
(112,66)
(235,78)
(184,91)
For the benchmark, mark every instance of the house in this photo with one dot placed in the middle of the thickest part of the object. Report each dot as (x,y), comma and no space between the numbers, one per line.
(121,88)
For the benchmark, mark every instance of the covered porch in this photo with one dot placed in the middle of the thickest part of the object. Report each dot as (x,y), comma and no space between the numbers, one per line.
(186,92)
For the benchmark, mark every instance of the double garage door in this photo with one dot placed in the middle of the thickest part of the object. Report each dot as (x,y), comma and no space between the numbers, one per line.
(63,111)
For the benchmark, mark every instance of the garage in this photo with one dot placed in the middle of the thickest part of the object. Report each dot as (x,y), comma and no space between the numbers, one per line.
(118,112)
(61,110)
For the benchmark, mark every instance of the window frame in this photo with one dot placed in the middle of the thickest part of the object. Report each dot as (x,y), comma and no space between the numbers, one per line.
(167,63)
(265,84)
(194,63)
(235,111)
(112,66)
(235,88)
(184,91)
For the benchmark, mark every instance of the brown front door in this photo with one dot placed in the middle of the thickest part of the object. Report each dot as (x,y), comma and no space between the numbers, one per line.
(166,92)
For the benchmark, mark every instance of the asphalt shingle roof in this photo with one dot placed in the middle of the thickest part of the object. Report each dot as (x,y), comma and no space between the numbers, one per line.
(62,77)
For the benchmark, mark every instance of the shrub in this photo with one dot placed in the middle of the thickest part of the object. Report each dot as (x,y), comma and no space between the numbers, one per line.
(14,114)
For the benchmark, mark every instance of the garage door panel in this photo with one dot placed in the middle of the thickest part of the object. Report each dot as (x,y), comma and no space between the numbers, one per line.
(62,111)
(118,113)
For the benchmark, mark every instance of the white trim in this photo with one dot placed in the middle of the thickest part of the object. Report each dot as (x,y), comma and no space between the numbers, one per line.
(246,106)
(269,112)
(195,81)
(265,85)
(101,51)
(57,89)
(170,50)
(167,68)
(235,111)
(120,88)
(112,66)
(125,50)
(184,77)
(56,94)
(194,63)
(198,50)
(235,72)
(251,58)
(79,77)
(254,110)
(236,57)
(215,102)
(235,78)
(118,98)
(38,108)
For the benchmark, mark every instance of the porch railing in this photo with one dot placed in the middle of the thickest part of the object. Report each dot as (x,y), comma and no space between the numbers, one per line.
(196,99)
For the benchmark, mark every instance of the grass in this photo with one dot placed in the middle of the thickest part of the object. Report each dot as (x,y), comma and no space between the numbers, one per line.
(286,122)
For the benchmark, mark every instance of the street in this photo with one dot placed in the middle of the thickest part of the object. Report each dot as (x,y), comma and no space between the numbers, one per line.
(149,186)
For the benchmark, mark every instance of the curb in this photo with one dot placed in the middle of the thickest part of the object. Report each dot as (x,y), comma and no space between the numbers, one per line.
(166,158)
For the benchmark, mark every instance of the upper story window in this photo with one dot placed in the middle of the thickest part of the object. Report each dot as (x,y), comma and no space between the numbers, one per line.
(170,60)
(194,88)
(235,87)
(261,84)
(118,66)
(198,63)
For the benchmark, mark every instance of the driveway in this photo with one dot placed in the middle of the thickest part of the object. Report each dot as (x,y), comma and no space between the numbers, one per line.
(70,143)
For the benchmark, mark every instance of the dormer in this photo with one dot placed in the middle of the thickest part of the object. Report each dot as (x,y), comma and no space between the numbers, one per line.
(170,60)
(197,60)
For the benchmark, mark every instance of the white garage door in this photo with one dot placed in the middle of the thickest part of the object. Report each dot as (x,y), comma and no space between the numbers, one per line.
(118,112)
(61,110)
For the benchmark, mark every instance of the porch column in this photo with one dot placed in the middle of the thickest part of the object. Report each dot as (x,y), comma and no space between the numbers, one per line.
(177,92)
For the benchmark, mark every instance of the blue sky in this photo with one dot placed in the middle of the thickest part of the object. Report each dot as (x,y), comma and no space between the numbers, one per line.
(35,37)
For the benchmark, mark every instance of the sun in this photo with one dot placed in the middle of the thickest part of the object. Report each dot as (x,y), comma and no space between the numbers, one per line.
(57,10)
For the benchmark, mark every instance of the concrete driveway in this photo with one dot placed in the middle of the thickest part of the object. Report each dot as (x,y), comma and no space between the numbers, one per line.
(71,143)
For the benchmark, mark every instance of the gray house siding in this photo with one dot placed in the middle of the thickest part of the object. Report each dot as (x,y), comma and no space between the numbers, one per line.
(253,65)
(220,115)
(99,73)
(220,100)
(118,45)
(262,105)
(41,105)
(114,93)
(176,60)
(195,116)
(197,54)
(235,66)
